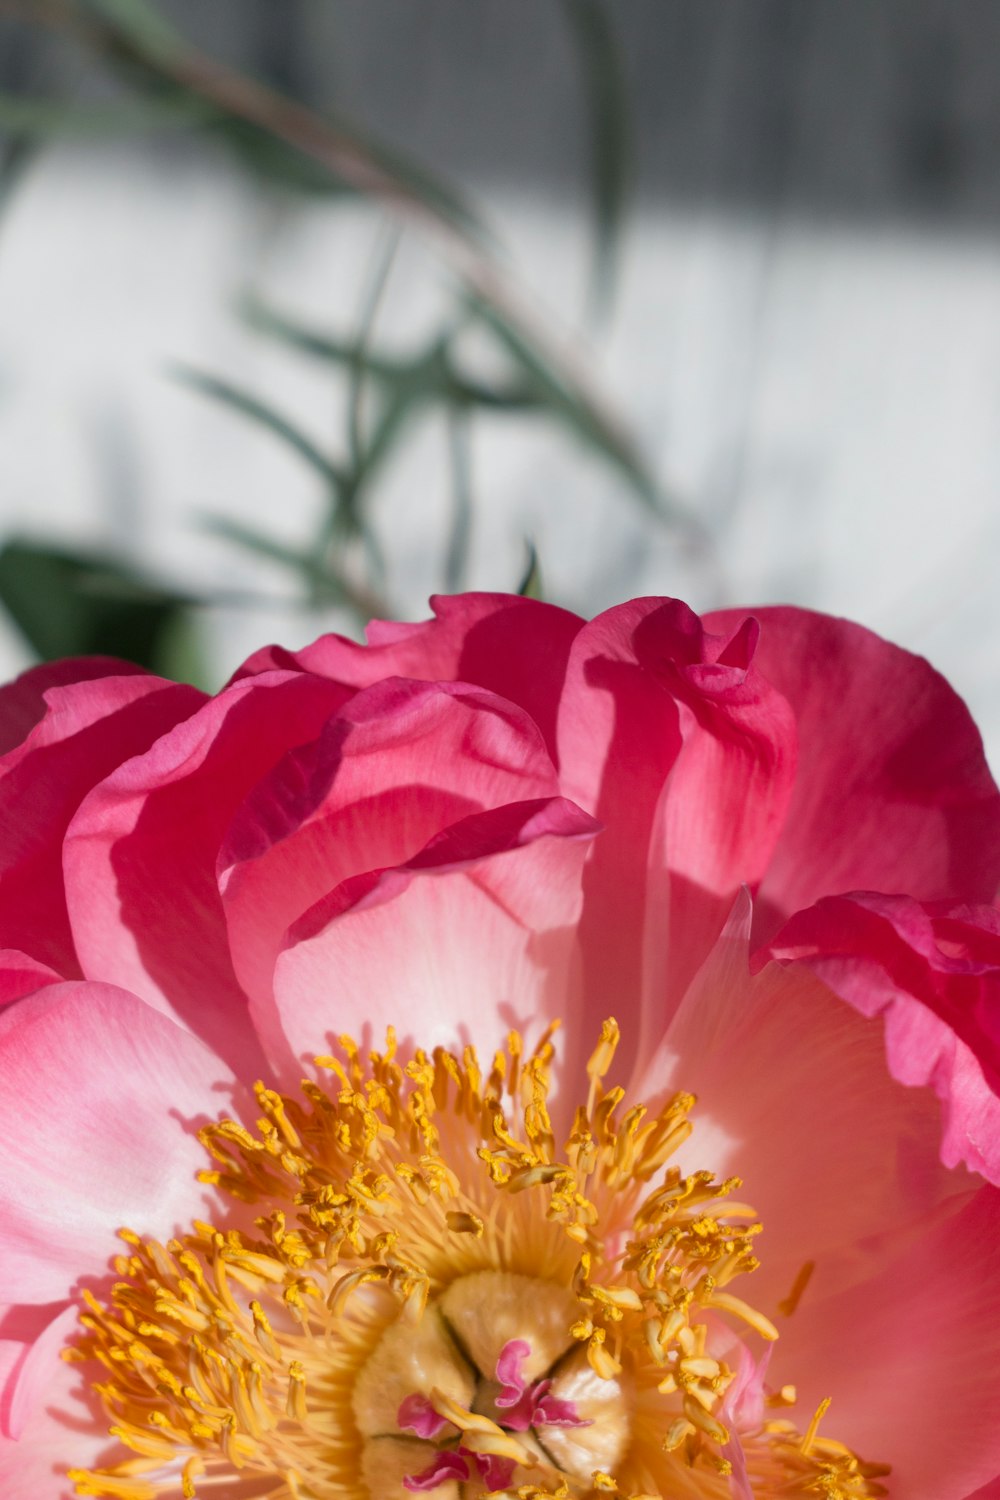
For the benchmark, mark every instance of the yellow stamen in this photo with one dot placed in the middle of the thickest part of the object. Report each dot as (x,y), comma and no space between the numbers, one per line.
(415,1218)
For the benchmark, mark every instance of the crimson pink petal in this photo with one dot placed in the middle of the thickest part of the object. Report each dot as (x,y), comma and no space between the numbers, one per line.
(141,854)
(517,648)
(671,737)
(99,1100)
(20,974)
(401,760)
(474,935)
(24,702)
(893,792)
(82,730)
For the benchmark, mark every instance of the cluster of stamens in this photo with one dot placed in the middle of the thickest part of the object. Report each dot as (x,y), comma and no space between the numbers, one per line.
(412,1289)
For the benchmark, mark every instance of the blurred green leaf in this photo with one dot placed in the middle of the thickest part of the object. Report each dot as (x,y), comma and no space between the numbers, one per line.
(15,158)
(275,162)
(530,586)
(607,108)
(327,584)
(550,391)
(253,119)
(265,416)
(56,117)
(69,603)
(433,371)
(142,24)
(460,537)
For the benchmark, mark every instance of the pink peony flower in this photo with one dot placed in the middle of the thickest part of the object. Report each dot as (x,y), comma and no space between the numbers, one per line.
(304,1198)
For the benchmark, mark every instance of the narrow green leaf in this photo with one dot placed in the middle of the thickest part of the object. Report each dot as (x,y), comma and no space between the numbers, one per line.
(551,391)
(607,108)
(440,197)
(140,40)
(325,582)
(433,367)
(67,117)
(275,162)
(459,540)
(336,351)
(142,24)
(265,416)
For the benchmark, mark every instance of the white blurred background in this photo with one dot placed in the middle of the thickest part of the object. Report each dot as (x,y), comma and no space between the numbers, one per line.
(804,332)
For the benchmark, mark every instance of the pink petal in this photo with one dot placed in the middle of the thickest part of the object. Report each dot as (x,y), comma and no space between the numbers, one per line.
(517,648)
(60,1422)
(141,854)
(555,1411)
(416,1414)
(24,702)
(445,1465)
(99,1099)
(81,731)
(512,1357)
(911,1358)
(934,977)
(671,736)
(30,1369)
(893,792)
(495,1473)
(400,762)
(20,974)
(793,1095)
(474,935)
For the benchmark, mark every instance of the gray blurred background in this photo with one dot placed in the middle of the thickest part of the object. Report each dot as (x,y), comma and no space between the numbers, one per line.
(800,328)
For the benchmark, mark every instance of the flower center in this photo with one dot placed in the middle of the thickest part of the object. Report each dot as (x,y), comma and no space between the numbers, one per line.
(415,1289)
(492,1400)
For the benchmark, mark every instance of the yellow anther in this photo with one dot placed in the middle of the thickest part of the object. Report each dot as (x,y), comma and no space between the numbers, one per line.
(726,1302)
(603,1054)
(463,1223)
(295,1403)
(788,1305)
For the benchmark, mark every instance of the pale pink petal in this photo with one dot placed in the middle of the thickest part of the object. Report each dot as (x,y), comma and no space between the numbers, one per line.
(933,975)
(22,1328)
(99,1099)
(141,852)
(794,1097)
(471,937)
(60,1422)
(910,1356)
(31,1375)
(87,728)
(400,762)
(893,792)
(20,974)
(517,648)
(675,741)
